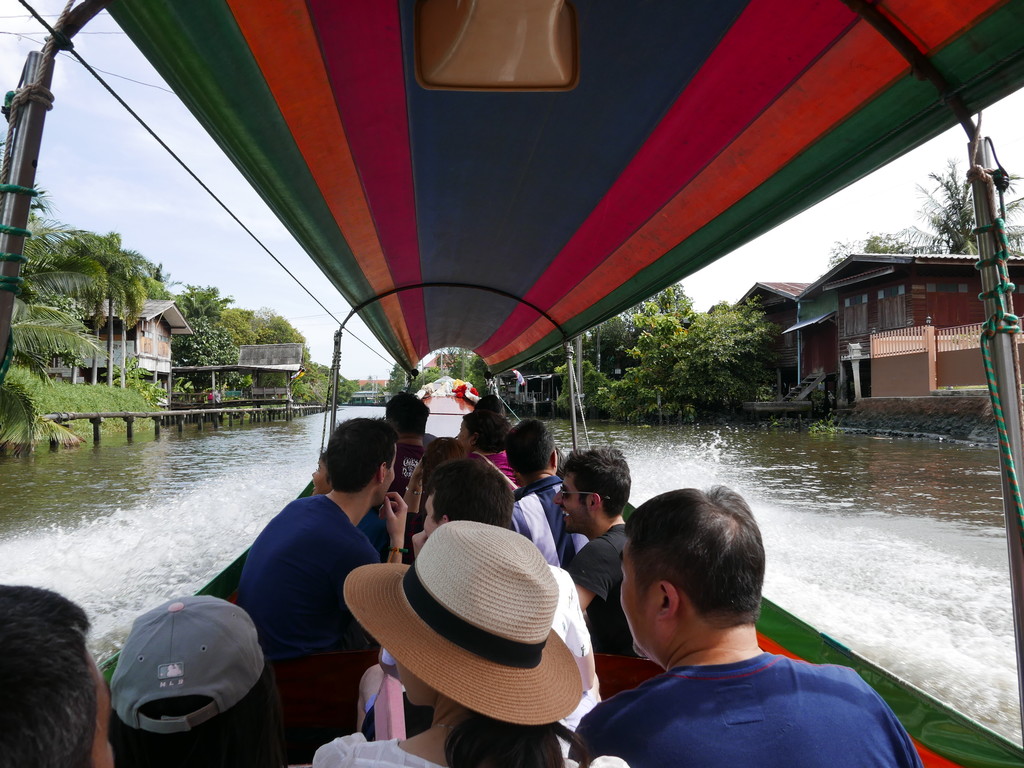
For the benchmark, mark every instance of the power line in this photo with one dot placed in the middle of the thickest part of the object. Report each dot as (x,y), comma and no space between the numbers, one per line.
(72,52)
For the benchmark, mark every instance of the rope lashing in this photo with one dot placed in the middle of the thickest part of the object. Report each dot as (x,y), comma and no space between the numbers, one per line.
(1001,321)
(37,93)
(15,189)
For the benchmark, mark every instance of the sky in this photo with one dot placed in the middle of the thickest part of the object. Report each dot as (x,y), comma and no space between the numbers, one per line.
(104,173)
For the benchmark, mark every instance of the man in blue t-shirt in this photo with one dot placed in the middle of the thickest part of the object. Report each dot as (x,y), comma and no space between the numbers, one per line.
(293,580)
(531,452)
(693,566)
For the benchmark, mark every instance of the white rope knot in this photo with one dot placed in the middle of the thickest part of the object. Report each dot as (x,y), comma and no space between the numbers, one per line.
(32,92)
(979,173)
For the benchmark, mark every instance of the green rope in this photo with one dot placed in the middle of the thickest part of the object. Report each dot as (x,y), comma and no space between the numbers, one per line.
(7,358)
(17,189)
(11,283)
(16,231)
(18,257)
(1000,322)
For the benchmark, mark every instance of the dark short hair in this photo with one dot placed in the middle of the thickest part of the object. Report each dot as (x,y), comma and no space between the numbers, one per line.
(490,429)
(249,735)
(356,450)
(707,544)
(439,451)
(528,446)
(48,703)
(472,489)
(490,403)
(407,413)
(602,470)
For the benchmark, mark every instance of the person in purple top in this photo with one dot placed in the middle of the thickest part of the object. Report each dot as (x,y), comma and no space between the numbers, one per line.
(483,434)
(693,566)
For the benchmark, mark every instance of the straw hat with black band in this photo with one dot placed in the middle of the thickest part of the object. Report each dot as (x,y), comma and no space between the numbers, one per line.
(471,618)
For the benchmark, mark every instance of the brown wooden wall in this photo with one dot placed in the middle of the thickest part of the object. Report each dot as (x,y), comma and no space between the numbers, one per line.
(960,368)
(820,348)
(900,376)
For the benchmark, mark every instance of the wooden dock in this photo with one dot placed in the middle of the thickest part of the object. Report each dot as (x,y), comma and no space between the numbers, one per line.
(179,418)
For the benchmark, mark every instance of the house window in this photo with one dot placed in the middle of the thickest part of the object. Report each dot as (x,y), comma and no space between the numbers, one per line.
(855,315)
(946,287)
(892,308)
(891,291)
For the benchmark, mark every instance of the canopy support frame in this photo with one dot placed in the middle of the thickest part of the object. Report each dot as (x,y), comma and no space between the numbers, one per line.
(335,376)
(1006,368)
(449,284)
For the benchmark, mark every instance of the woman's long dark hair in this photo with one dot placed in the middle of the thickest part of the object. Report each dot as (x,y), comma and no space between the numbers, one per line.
(483,741)
(249,735)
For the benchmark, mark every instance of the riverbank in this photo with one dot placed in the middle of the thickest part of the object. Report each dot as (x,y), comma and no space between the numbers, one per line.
(963,416)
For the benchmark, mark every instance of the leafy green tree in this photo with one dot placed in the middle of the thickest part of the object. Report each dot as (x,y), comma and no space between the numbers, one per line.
(689,361)
(121,292)
(204,302)
(947,211)
(396,380)
(38,334)
(209,344)
(595,387)
(240,324)
(873,243)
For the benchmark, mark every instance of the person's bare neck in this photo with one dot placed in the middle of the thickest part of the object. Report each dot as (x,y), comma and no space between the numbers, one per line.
(354,505)
(430,743)
(708,646)
(410,438)
(536,476)
(606,524)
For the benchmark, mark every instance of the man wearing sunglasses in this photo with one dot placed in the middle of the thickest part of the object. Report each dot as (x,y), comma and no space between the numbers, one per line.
(593,495)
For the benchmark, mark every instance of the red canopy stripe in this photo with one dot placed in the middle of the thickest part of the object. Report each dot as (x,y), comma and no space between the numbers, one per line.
(748,56)
(284,44)
(821,99)
(362,49)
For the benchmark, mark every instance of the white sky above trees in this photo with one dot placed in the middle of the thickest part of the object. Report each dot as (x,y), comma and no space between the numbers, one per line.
(104,173)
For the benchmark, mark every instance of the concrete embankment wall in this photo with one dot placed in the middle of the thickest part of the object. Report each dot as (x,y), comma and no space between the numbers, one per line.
(960,417)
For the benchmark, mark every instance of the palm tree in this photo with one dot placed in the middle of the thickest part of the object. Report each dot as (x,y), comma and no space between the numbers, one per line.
(121,292)
(947,210)
(38,333)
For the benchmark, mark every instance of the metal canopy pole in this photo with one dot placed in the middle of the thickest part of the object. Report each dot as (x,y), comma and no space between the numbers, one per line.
(26,138)
(1005,364)
(335,374)
(572,394)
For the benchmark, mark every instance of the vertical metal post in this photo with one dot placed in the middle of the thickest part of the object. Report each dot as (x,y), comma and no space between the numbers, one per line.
(24,153)
(1005,363)
(335,373)
(579,360)
(572,395)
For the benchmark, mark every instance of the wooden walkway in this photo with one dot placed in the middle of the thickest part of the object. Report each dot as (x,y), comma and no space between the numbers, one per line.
(214,416)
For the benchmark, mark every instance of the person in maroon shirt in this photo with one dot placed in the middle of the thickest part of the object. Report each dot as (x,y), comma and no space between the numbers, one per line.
(408,415)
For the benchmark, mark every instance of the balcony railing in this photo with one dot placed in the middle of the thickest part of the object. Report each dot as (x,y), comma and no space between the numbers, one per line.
(902,341)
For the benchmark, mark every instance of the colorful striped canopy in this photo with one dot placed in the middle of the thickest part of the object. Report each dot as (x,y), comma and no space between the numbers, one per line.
(526,216)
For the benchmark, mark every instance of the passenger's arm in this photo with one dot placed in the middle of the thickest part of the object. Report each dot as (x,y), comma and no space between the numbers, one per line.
(588,671)
(585,596)
(393,512)
(414,490)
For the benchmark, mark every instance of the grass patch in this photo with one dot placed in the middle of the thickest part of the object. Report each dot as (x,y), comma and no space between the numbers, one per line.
(62,397)
(59,396)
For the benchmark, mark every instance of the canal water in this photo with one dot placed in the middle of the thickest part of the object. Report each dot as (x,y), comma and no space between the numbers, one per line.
(894,547)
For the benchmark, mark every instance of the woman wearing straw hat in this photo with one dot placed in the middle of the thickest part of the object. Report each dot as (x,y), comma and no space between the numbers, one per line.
(469,624)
